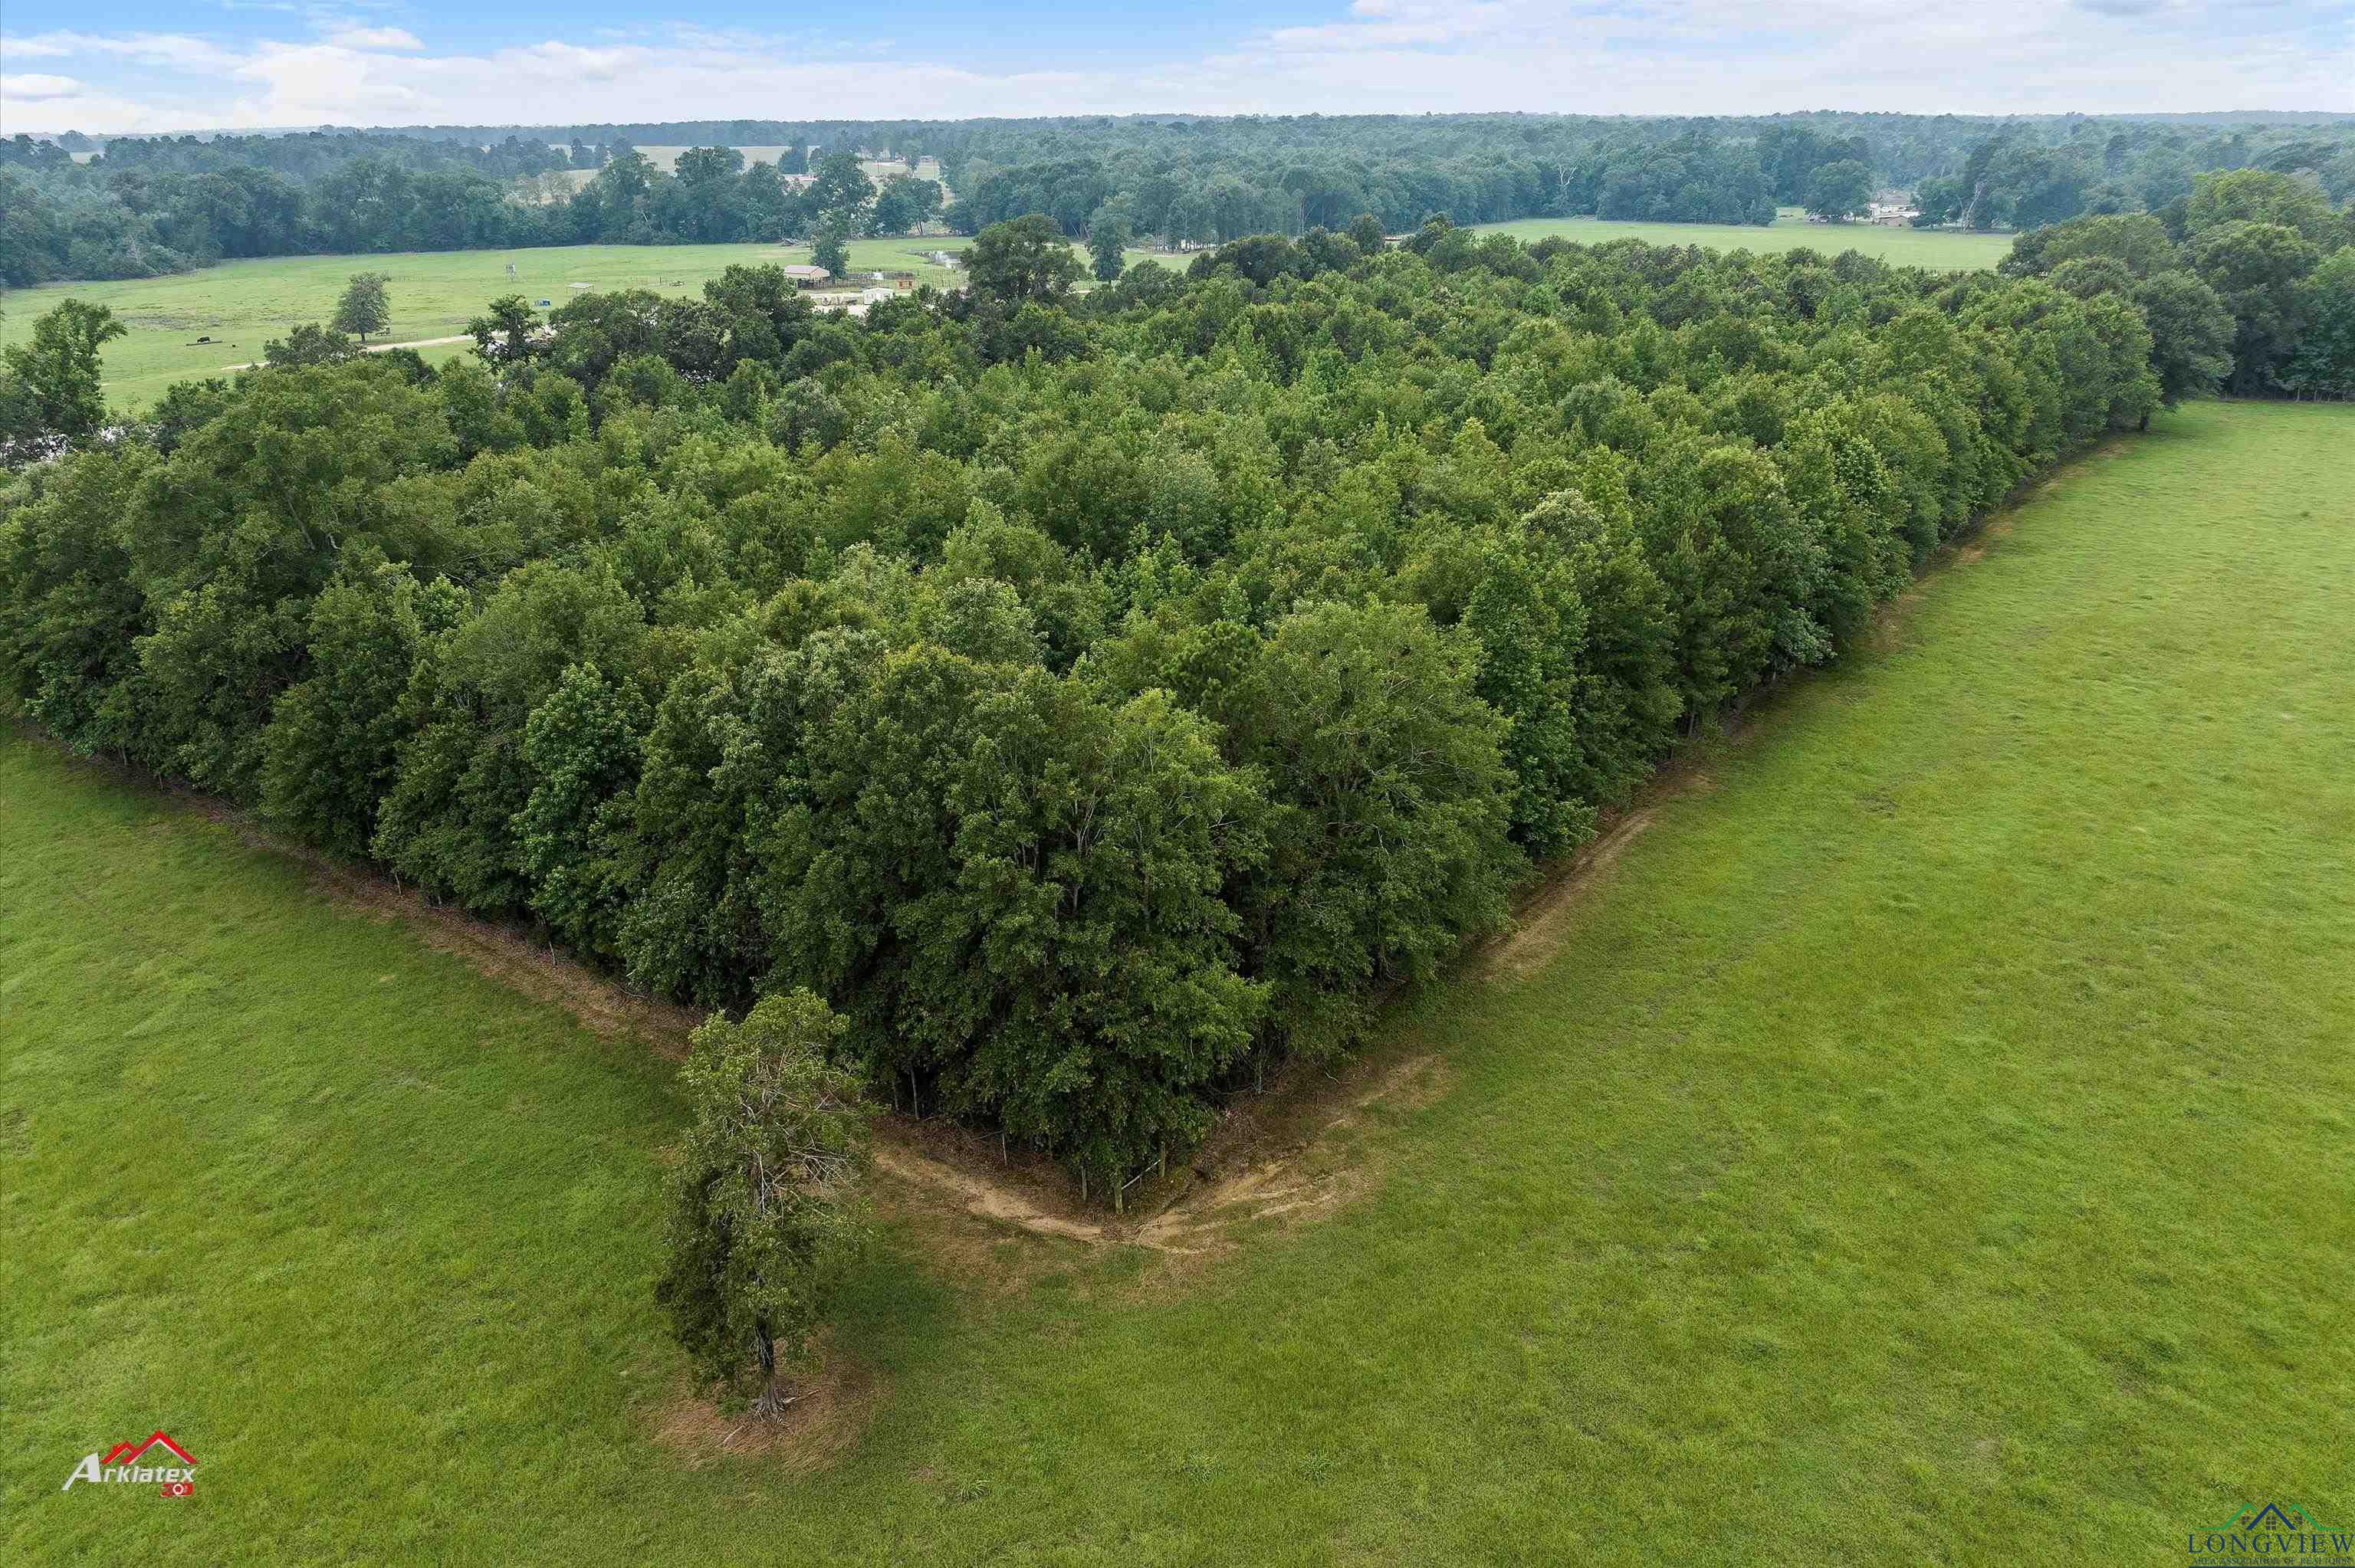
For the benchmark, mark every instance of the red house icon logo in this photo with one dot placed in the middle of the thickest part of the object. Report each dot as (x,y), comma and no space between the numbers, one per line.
(128,1452)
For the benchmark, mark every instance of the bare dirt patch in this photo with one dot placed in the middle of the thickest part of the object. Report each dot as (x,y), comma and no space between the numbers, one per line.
(1285,1153)
(978,1194)
(1538,928)
(832,1404)
(1288,1159)
(512,959)
(507,954)
(1275,1154)
(965,1191)
(382,347)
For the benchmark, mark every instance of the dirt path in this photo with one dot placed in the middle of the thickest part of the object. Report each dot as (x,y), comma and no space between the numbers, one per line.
(1539,927)
(386,347)
(1258,1163)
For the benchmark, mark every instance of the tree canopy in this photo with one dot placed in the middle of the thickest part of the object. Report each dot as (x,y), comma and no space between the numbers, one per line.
(766,1194)
(1087,700)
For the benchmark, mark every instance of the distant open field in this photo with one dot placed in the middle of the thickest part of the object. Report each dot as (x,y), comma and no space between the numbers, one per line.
(667,158)
(1924,1137)
(241,305)
(1944,248)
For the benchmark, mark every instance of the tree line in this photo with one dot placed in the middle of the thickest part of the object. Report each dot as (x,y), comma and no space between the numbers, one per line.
(2017,179)
(143,205)
(68,220)
(1088,699)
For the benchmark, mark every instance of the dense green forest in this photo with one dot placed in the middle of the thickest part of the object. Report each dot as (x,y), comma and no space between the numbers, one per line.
(1093,698)
(143,205)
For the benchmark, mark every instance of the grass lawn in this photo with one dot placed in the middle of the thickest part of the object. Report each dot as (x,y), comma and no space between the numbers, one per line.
(241,305)
(1929,1141)
(1942,249)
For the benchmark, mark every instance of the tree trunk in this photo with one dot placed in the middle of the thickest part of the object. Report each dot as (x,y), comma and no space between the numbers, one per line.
(765,1350)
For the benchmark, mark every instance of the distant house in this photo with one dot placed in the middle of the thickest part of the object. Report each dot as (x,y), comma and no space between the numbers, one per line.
(807,277)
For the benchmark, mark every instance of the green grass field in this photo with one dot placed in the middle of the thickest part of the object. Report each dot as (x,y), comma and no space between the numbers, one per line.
(1940,248)
(1929,1141)
(241,305)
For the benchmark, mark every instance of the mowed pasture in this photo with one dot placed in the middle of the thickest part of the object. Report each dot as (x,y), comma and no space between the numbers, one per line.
(1924,1137)
(241,305)
(1945,250)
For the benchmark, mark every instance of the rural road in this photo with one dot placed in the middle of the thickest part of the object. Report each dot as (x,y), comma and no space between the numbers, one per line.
(387,348)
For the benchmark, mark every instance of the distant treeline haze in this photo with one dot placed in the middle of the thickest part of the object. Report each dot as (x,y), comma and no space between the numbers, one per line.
(144,205)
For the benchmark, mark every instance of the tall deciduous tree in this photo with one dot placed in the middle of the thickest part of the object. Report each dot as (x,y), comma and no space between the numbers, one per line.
(506,334)
(2324,364)
(830,251)
(366,305)
(2255,268)
(309,344)
(1106,240)
(1022,259)
(765,1196)
(51,386)
(1838,189)
(842,192)
(327,756)
(2191,333)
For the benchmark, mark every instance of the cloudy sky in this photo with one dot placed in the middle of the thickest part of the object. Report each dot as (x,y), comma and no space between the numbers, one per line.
(159,65)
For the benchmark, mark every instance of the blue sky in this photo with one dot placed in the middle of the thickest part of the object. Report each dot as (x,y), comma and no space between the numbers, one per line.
(210,64)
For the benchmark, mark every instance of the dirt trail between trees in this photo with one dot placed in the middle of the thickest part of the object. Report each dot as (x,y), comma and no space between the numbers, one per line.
(1265,1158)
(383,347)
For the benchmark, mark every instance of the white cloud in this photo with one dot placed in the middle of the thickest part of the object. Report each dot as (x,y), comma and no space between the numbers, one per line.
(33,85)
(1402,24)
(375,39)
(1690,56)
(177,51)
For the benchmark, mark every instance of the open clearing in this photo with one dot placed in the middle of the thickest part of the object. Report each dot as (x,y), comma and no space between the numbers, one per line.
(241,305)
(1944,251)
(1928,1143)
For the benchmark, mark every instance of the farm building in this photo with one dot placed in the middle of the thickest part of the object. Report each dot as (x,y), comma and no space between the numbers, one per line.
(805,276)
